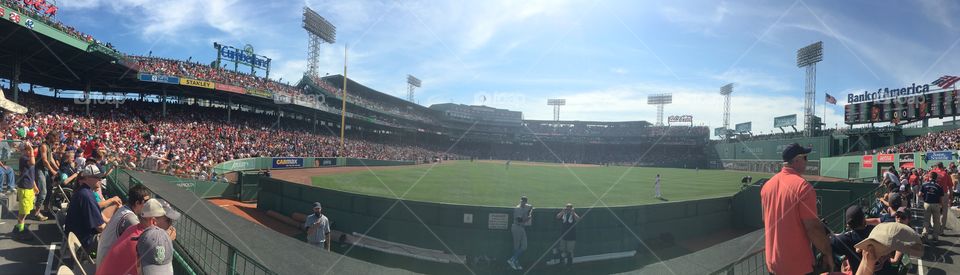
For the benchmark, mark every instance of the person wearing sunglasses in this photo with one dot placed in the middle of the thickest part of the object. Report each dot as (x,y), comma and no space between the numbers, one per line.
(790,218)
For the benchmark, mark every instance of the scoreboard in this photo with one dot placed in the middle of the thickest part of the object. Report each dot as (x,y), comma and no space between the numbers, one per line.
(904,109)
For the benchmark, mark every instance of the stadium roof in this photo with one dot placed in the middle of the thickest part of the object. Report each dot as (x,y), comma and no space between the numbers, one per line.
(641,123)
(370,93)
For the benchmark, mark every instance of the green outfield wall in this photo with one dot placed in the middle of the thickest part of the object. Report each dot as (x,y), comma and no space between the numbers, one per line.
(770,150)
(873,165)
(260,163)
(476,230)
(765,155)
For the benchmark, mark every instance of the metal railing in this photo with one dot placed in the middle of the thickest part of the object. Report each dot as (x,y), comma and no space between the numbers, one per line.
(208,253)
(753,263)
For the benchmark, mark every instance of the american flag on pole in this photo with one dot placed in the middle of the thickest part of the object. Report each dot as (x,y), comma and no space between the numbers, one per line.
(830,99)
(946,81)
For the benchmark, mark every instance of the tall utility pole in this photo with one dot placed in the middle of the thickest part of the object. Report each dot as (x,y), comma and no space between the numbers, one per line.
(319,30)
(412,83)
(807,57)
(725,91)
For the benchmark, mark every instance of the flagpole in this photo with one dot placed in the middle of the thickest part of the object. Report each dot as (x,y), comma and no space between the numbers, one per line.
(343,99)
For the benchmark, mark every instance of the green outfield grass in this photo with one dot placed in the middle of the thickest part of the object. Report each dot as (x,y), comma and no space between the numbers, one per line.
(491,184)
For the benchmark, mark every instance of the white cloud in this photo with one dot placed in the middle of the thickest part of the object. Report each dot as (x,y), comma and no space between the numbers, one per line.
(699,17)
(755,80)
(629,103)
(939,11)
(619,71)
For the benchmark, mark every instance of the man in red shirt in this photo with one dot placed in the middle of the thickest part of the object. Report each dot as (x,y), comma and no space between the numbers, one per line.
(790,218)
(122,258)
(945,182)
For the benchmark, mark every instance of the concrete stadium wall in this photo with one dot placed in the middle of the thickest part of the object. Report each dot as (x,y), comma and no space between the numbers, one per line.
(600,232)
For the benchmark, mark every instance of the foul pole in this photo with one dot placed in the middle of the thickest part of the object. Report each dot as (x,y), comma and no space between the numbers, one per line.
(343,99)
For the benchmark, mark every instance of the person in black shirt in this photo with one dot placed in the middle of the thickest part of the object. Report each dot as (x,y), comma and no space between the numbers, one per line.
(858,230)
(26,189)
(568,233)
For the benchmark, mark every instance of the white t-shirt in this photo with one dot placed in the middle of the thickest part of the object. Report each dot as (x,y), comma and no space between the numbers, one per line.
(123,218)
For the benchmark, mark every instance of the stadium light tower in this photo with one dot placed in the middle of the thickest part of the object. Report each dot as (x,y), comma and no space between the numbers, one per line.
(660,100)
(726,90)
(412,83)
(319,30)
(807,57)
(556,103)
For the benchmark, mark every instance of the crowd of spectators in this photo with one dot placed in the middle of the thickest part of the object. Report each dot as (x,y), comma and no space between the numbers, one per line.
(45,14)
(934,141)
(190,140)
(204,72)
(613,129)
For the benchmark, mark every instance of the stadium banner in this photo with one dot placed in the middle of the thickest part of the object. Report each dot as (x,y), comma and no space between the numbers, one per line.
(908,157)
(868,161)
(283,163)
(196,83)
(680,118)
(263,94)
(324,162)
(885,158)
(282,99)
(229,88)
(744,127)
(785,121)
(305,103)
(159,78)
(939,155)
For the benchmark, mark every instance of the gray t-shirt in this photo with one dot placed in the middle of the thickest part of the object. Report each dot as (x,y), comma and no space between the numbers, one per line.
(321,234)
(523,211)
(123,218)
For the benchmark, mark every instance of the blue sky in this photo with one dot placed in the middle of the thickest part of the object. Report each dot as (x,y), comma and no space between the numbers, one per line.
(604,57)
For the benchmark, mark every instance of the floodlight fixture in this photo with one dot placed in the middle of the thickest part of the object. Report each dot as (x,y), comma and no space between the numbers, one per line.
(660,100)
(556,103)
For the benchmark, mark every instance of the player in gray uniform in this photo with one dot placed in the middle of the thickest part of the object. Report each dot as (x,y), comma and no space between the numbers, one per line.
(522,217)
(318,228)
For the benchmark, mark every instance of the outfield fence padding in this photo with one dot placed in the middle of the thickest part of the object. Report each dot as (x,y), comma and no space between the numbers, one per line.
(603,230)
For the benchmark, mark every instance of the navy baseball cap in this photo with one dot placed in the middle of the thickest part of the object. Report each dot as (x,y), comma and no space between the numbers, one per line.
(317,205)
(793,150)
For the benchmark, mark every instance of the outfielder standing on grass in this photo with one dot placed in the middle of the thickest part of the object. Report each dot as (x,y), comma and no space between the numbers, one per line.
(656,187)
(522,217)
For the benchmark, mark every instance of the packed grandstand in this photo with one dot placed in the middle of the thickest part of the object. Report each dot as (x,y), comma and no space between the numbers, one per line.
(189,133)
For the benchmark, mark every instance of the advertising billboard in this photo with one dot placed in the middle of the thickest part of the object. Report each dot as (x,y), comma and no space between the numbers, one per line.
(744,127)
(785,121)
(196,83)
(283,163)
(159,78)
